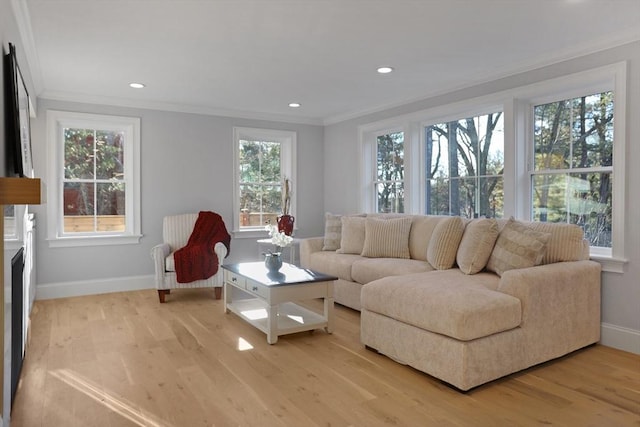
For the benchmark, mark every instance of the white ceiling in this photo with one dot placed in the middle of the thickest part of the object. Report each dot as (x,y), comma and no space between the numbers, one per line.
(250,58)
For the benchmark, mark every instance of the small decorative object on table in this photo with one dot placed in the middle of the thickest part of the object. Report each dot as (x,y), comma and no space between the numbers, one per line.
(273,260)
(285,221)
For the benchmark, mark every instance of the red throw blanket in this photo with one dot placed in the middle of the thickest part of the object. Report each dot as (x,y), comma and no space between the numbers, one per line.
(197,260)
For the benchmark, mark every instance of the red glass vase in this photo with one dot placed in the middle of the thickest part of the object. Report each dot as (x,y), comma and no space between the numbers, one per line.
(285,224)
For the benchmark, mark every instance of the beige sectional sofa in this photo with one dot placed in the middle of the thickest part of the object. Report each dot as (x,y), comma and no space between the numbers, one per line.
(464,301)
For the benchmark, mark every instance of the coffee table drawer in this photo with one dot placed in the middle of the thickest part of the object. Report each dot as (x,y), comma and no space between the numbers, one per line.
(257,288)
(235,279)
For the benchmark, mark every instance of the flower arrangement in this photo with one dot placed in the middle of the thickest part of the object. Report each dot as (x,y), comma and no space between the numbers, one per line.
(278,238)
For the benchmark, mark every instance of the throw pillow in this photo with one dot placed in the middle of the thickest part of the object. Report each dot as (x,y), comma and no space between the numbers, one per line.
(476,245)
(332,232)
(352,236)
(518,246)
(387,238)
(443,246)
(565,244)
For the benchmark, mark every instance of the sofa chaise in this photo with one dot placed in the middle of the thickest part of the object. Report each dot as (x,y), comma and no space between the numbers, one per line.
(466,301)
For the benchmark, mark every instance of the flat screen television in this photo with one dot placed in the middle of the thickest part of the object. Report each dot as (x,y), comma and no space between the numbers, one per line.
(17,116)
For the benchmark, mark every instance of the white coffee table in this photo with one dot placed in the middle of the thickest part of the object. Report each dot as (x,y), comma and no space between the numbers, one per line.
(267,301)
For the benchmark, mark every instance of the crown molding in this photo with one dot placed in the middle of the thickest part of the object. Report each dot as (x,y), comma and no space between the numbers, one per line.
(178,108)
(23,22)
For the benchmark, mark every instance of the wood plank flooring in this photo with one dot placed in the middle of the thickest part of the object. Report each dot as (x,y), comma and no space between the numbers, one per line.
(123,359)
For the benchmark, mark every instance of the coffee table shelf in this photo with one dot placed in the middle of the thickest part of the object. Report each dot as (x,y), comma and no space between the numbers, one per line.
(292,318)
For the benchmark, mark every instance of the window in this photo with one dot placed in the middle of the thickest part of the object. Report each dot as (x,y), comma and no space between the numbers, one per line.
(571,180)
(94,198)
(464,162)
(550,151)
(389,181)
(264,159)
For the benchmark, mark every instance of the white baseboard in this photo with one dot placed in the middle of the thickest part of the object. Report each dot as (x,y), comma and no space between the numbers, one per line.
(621,338)
(93,287)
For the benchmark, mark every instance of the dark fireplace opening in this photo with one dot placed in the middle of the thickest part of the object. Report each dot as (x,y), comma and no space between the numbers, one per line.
(17,318)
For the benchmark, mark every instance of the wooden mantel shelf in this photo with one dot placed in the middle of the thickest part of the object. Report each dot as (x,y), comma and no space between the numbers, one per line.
(20,191)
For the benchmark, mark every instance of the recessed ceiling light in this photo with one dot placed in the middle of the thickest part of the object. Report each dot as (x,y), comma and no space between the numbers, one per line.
(136,85)
(385,70)
(294,104)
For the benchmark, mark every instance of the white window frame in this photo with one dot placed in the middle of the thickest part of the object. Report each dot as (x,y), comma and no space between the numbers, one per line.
(56,122)
(288,163)
(517,106)
(609,78)
(368,164)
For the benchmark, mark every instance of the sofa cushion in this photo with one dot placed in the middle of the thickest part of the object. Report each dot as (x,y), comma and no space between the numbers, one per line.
(333,263)
(387,238)
(421,231)
(332,232)
(476,245)
(352,235)
(566,242)
(370,269)
(446,302)
(444,242)
(518,246)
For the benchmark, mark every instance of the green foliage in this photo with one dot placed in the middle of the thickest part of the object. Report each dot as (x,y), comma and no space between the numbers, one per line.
(390,172)
(574,139)
(260,178)
(93,172)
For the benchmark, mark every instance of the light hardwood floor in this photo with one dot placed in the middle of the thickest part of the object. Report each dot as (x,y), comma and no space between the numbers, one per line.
(123,359)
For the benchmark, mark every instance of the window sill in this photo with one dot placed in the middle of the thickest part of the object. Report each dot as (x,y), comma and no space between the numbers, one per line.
(260,233)
(69,242)
(609,264)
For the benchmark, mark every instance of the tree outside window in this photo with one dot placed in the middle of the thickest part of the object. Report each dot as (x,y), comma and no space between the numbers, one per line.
(93,183)
(260,182)
(389,183)
(465,164)
(573,164)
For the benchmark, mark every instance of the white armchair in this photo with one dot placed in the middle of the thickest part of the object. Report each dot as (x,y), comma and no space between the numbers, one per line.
(176,230)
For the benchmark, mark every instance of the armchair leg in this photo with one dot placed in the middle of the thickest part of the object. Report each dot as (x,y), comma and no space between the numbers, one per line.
(162,293)
(218,292)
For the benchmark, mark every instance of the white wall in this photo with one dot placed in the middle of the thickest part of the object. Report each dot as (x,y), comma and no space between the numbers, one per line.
(187,166)
(620,292)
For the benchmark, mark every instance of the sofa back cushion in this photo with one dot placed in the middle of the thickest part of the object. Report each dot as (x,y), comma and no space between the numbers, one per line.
(517,246)
(444,242)
(566,242)
(420,234)
(477,243)
(352,235)
(332,232)
(387,238)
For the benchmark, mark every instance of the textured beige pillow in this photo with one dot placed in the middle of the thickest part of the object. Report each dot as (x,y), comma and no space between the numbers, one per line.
(518,246)
(352,236)
(443,246)
(387,238)
(565,244)
(476,245)
(332,232)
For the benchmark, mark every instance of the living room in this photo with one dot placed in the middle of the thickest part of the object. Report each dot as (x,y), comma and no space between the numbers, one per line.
(186,152)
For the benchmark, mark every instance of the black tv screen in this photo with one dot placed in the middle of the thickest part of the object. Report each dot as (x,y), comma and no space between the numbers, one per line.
(17,128)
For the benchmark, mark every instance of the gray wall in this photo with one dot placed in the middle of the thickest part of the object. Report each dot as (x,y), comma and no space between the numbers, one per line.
(620,292)
(186,166)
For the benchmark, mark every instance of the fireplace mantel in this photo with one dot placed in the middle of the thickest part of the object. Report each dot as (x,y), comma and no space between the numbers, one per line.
(13,191)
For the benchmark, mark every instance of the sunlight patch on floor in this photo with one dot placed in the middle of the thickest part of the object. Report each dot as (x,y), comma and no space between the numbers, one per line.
(105,398)
(243,344)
